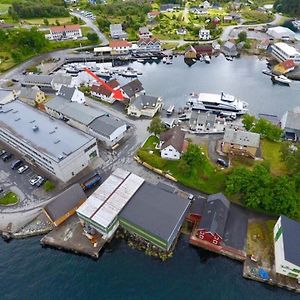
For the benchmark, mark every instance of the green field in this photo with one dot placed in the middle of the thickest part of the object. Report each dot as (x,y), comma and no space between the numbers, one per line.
(9,198)
(52,21)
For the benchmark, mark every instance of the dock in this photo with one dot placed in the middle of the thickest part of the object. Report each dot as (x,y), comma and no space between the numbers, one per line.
(69,236)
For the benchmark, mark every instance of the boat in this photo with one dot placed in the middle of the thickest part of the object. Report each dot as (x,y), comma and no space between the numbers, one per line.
(217,103)
(103,74)
(207,59)
(170,110)
(267,72)
(128,73)
(229,58)
(164,60)
(281,79)
(140,60)
(169,61)
(72,70)
(201,58)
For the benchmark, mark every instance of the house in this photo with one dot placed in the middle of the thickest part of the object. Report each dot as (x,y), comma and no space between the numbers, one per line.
(71,94)
(281,33)
(64,32)
(120,46)
(32,95)
(103,93)
(216,46)
(204,34)
(202,50)
(286,247)
(284,67)
(170,7)
(152,14)
(144,105)
(190,53)
(228,19)
(7,96)
(264,44)
(282,51)
(65,204)
(132,89)
(229,49)
(198,11)
(144,33)
(205,5)
(239,142)
(172,143)
(149,45)
(290,124)
(116,31)
(181,31)
(206,122)
(235,17)
(213,221)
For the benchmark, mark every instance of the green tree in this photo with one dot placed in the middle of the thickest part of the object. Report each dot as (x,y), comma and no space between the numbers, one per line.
(46,22)
(242,36)
(290,155)
(57,22)
(156,126)
(194,155)
(93,37)
(248,121)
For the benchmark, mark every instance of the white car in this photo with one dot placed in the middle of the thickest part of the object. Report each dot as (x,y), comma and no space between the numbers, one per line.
(22,169)
(34,180)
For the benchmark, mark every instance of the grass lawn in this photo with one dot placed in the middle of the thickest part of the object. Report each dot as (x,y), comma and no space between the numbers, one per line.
(9,199)
(4,8)
(271,154)
(52,21)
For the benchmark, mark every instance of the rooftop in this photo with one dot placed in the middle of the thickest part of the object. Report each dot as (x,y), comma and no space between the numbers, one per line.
(119,43)
(292,120)
(239,137)
(289,50)
(52,137)
(281,30)
(145,101)
(175,137)
(29,92)
(67,92)
(64,28)
(133,87)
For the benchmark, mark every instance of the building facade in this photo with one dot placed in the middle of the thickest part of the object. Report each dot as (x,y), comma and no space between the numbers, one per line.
(204,34)
(64,32)
(149,44)
(283,52)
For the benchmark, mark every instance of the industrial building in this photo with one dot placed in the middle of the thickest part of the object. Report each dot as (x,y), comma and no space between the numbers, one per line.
(281,33)
(51,144)
(283,52)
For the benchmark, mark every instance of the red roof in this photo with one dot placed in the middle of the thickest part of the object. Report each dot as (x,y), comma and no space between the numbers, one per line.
(101,90)
(64,28)
(288,64)
(147,41)
(119,43)
(154,13)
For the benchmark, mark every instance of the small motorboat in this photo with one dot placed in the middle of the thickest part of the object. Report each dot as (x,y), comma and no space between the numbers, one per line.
(164,60)
(267,72)
(169,61)
(207,59)
(281,79)
(229,58)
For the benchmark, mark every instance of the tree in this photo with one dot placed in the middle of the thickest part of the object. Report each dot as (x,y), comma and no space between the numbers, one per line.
(242,36)
(291,7)
(290,155)
(57,22)
(193,156)
(46,22)
(93,37)
(156,126)
(248,121)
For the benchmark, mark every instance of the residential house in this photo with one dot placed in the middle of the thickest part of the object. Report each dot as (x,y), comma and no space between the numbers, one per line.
(205,5)
(281,33)
(152,14)
(239,142)
(282,51)
(181,31)
(172,143)
(213,221)
(236,17)
(149,45)
(228,19)
(284,67)
(169,7)
(290,123)
(116,31)
(264,44)
(120,46)
(7,96)
(71,94)
(103,93)
(229,49)
(64,32)
(198,11)
(144,33)
(132,89)
(32,95)
(204,34)
(204,50)
(144,106)
(286,247)
(206,122)
(190,53)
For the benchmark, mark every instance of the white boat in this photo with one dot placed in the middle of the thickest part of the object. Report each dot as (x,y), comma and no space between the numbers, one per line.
(170,110)
(229,58)
(267,72)
(128,73)
(169,61)
(207,59)
(140,60)
(164,60)
(217,103)
(281,79)
(201,58)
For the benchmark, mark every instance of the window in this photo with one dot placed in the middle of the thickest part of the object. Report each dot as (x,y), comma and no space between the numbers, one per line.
(278,234)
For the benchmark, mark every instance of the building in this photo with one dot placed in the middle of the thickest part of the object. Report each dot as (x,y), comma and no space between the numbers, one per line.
(103,93)
(239,142)
(7,96)
(205,5)
(64,32)
(144,33)
(198,11)
(105,128)
(116,31)
(149,45)
(264,44)
(172,143)
(169,7)
(181,31)
(151,15)
(286,247)
(190,53)
(144,105)
(213,221)
(284,67)
(290,124)
(274,119)
(102,50)
(229,49)
(32,95)
(120,46)
(71,94)
(282,51)
(201,121)
(281,33)
(228,19)
(50,144)
(204,34)
(65,204)
(132,89)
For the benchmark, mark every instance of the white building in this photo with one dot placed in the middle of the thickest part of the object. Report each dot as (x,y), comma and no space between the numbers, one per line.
(106,95)
(50,144)
(286,247)
(64,32)
(204,34)
(282,51)
(120,46)
(7,96)
(281,33)
(72,94)
(144,33)
(117,32)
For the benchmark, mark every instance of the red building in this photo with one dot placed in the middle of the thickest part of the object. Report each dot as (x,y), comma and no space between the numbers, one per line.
(213,221)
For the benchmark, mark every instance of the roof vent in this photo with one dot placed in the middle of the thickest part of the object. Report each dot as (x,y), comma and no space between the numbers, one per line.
(35,128)
(56,142)
(60,157)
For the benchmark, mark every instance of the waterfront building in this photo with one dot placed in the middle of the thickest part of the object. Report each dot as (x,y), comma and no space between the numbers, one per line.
(144,105)
(149,45)
(284,67)
(229,49)
(152,14)
(286,247)
(172,143)
(51,144)
(100,91)
(120,46)
(117,32)
(144,33)
(71,94)
(202,121)
(32,95)
(132,89)
(281,33)
(213,220)
(290,123)
(169,7)
(7,96)
(64,32)
(239,142)
(282,51)
(204,34)
(64,205)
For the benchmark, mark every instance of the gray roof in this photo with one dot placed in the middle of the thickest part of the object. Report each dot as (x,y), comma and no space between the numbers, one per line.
(115,27)
(205,118)
(65,201)
(145,101)
(291,240)
(175,137)
(35,79)
(292,120)
(274,119)
(67,92)
(5,93)
(155,210)
(73,110)
(29,92)
(52,137)
(143,30)
(132,87)
(243,138)
(215,214)
(63,79)
(106,125)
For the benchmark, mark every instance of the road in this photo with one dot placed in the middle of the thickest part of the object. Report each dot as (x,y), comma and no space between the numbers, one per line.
(91,24)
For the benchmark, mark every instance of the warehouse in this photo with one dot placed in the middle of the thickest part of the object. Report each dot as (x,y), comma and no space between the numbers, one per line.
(51,144)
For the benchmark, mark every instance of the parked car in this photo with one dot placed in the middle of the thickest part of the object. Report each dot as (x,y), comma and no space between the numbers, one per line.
(7,157)
(191,197)
(222,162)
(34,180)
(16,164)
(22,169)
(41,181)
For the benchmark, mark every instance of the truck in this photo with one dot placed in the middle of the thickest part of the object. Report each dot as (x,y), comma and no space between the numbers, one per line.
(91,182)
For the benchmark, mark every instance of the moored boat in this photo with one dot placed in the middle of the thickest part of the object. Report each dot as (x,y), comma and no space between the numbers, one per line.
(281,79)
(207,59)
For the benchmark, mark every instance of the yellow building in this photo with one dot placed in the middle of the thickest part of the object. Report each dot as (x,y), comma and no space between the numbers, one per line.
(32,96)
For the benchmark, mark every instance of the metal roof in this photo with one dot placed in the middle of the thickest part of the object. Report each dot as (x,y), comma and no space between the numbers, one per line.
(144,101)
(53,138)
(29,92)
(243,138)
(291,120)
(66,92)
(38,79)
